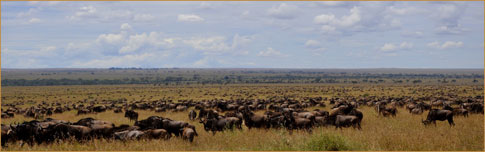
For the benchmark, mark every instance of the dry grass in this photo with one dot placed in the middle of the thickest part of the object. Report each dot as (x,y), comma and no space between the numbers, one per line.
(403,132)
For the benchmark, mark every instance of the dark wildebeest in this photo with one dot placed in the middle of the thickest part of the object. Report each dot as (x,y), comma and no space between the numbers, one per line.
(7,134)
(220,124)
(132,115)
(173,126)
(438,114)
(291,122)
(253,120)
(347,121)
(192,115)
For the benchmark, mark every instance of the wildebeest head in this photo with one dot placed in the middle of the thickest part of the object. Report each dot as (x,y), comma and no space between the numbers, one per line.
(426,122)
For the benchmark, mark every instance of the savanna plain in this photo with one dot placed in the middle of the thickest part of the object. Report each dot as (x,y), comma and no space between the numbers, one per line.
(255,92)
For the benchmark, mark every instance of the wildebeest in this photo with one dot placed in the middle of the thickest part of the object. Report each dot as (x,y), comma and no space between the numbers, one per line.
(173,126)
(220,124)
(129,134)
(157,134)
(132,115)
(253,120)
(347,121)
(7,134)
(188,134)
(438,114)
(192,115)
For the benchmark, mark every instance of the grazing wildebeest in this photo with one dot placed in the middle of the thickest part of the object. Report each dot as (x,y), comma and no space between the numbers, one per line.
(152,122)
(347,121)
(132,115)
(83,111)
(188,134)
(216,124)
(7,134)
(157,134)
(129,134)
(118,110)
(438,114)
(173,126)
(192,115)
(417,111)
(253,120)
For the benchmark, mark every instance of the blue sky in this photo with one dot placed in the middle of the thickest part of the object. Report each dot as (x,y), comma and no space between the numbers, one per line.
(242,34)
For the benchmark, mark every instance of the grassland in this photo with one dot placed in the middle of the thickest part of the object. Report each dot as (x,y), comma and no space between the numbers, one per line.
(403,132)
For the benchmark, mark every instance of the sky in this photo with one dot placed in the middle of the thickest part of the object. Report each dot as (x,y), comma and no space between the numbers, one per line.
(329,34)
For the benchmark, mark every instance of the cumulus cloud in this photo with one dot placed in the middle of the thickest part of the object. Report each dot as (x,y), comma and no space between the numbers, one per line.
(125,26)
(449,16)
(84,12)
(330,22)
(392,47)
(153,40)
(344,21)
(370,17)
(403,10)
(283,11)
(312,44)
(270,52)
(445,45)
(189,18)
(110,38)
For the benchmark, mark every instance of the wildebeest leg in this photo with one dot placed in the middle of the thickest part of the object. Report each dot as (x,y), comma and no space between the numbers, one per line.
(450,121)
(434,122)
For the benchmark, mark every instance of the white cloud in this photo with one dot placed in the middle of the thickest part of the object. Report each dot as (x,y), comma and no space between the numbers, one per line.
(85,11)
(125,27)
(403,10)
(392,47)
(34,20)
(283,11)
(152,40)
(449,16)
(270,52)
(388,47)
(312,44)
(240,41)
(110,38)
(344,21)
(189,18)
(445,45)
(206,5)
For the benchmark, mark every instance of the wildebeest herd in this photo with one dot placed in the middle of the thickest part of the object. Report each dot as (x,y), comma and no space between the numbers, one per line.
(218,115)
